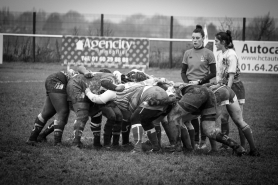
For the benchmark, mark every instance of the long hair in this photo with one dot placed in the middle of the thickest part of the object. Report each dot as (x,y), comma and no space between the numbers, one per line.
(227,38)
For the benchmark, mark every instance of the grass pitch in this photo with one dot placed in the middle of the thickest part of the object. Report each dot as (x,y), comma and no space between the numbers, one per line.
(21,99)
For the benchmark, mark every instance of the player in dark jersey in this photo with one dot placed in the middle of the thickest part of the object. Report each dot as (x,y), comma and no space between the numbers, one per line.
(82,105)
(199,100)
(55,103)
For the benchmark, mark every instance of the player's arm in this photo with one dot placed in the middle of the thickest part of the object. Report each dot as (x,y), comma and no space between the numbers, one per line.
(107,84)
(102,98)
(231,79)
(232,69)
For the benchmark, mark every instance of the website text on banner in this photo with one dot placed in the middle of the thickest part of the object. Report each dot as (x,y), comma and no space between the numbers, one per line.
(257,56)
(106,52)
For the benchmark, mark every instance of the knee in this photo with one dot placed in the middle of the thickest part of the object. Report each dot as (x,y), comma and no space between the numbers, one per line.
(212,133)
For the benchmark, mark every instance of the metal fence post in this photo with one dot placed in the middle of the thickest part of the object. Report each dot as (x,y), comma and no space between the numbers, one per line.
(101,25)
(171,44)
(34,38)
(243,28)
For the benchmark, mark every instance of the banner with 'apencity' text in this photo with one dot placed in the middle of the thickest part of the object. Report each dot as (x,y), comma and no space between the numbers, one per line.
(105,52)
(257,56)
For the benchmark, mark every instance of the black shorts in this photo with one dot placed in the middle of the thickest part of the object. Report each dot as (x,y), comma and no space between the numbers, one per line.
(56,83)
(239,90)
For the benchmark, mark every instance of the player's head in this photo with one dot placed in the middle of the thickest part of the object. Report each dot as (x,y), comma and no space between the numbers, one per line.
(224,39)
(198,37)
(118,76)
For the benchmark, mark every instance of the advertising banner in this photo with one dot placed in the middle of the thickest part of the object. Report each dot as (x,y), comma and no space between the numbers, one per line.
(257,56)
(106,52)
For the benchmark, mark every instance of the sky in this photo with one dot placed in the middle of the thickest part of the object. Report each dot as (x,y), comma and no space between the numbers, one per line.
(187,8)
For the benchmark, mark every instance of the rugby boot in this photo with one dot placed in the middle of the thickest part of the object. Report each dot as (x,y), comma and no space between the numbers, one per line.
(107,140)
(152,135)
(254,153)
(34,134)
(57,137)
(97,140)
(45,133)
(239,150)
(116,139)
(77,139)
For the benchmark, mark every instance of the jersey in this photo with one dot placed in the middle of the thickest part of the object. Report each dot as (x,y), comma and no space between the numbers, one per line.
(135,94)
(227,63)
(198,62)
(78,84)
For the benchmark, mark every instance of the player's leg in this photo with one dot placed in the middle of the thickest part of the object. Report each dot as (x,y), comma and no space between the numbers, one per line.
(60,103)
(95,126)
(116,130)
(81,110)
(239,90)
(40,121)
(236,115)
(108,112)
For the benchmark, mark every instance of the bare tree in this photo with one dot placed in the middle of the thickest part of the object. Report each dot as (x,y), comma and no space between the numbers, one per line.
(262,28)
(75,31)
(228,24)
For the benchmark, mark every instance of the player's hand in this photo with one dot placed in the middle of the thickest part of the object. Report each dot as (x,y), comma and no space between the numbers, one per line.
(194,82)
(120,88)
(87,90)
(88,74)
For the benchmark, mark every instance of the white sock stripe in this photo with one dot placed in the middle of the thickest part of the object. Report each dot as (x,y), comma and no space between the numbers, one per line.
(58,130)
(40,117)
(151,130)
(136,125)
(37,125)
(95,124)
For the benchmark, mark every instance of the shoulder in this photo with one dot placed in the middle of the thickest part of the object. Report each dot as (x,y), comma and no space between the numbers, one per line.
(207,51)
(188,51)
(231,54)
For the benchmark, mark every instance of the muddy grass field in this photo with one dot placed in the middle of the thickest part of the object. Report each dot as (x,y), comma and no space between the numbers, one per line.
(21,99)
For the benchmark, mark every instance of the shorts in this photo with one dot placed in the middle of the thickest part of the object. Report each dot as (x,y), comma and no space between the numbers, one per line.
(56,83)
(224,96)
(239,90)
(198,100)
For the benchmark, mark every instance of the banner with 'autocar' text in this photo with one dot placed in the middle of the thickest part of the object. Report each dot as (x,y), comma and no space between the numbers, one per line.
(105,52)
(257,56)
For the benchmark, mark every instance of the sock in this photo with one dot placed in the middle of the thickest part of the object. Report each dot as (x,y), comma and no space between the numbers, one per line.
(137,131)
(38,126)
(185,138)
(195,123)
(249,136)
(125,132)
(48,130)
(116,138)
(152,135)
(192,137)
(158,132)
(242,138)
